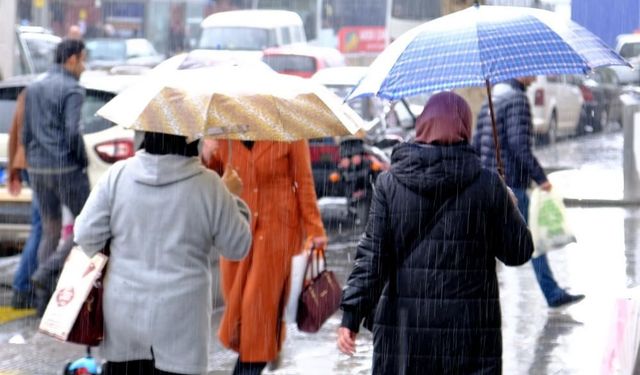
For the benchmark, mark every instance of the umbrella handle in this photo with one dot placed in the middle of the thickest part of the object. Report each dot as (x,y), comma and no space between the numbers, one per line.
(495,131)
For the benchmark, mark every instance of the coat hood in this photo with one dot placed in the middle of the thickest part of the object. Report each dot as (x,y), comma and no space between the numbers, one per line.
(435,169)
(158,170)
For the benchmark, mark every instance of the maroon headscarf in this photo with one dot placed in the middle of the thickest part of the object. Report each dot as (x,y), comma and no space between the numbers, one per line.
(445,119)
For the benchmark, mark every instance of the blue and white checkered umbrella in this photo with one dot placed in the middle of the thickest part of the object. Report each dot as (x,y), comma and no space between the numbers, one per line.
(483,45)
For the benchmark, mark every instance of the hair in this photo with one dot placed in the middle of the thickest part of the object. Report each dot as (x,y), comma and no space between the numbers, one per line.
(68,48)
(163,144)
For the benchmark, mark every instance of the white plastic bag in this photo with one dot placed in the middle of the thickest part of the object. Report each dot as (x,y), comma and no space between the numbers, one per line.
(548,222)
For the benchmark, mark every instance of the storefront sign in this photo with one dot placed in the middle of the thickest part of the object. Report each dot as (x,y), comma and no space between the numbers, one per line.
(361,39)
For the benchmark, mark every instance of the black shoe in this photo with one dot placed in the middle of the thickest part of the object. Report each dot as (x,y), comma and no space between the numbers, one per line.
(23,300)
(566,299)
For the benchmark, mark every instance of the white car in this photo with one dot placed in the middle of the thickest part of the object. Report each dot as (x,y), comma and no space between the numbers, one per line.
(249,32)
(556,105)
(105,143)
(628,46)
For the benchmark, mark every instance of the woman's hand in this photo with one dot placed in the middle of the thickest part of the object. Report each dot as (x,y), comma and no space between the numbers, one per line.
(232,181)
(209,148)
(346,341)
(320,242)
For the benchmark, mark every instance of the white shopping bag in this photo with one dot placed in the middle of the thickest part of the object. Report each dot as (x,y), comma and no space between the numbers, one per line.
(76,280)
(297,278)
(548,222)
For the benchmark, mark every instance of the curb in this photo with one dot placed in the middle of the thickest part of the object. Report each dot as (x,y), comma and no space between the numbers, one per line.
(575,202)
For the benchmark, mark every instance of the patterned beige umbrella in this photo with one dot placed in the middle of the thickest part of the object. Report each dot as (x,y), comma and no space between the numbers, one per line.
(232,102)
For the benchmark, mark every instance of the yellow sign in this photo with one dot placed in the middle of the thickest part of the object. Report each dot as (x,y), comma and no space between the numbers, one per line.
(82,14)
(38,3)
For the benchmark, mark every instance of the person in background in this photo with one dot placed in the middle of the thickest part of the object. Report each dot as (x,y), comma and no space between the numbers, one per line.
(55,152)
(514,125)
(424,278)
(166,218)
(23,291)
(278,187)
(74,32)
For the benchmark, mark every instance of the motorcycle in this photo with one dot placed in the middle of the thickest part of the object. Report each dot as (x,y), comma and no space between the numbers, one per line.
(356,173)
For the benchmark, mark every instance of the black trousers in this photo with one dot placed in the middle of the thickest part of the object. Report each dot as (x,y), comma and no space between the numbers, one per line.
(142,367)
(249,368)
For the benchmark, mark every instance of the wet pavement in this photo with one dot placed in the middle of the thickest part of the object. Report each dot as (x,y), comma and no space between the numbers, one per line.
(603,264)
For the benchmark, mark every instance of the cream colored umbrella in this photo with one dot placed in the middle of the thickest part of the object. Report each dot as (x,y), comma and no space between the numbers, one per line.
(232,102)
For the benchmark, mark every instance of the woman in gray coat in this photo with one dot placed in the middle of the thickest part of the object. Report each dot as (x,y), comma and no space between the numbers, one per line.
(167,218)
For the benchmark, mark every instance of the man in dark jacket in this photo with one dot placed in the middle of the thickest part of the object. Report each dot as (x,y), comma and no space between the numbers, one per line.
(513,121)
(55,151)
(426,263)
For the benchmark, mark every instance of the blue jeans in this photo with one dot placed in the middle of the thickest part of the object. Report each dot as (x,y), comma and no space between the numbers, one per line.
(29,258)
(54,190)
(547,283)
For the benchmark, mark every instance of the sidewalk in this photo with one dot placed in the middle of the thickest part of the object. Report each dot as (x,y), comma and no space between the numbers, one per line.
(537,340)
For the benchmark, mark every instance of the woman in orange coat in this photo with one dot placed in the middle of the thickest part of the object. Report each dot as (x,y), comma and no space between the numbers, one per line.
(279,189)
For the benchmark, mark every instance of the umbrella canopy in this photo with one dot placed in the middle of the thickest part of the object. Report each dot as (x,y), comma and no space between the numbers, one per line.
(483,45)
(232,102)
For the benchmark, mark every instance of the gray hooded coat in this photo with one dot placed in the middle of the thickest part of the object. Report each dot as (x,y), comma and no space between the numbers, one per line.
(164,215)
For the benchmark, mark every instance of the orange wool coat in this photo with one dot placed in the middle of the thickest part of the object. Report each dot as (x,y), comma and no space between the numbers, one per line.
(279,189)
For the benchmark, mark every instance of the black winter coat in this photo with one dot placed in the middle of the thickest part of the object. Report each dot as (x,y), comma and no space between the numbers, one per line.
(513,121)
(426,263)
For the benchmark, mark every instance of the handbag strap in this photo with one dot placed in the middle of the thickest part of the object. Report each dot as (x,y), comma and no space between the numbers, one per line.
(319,253)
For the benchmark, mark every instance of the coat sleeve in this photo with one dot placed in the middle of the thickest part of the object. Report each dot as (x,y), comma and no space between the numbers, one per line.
(73,126)
(231,227)
(371,267)
(92,228)
(519,137)
(510,237)
(300,166)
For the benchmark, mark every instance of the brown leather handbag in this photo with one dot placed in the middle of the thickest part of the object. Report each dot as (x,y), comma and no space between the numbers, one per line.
(320,297)
(88,328)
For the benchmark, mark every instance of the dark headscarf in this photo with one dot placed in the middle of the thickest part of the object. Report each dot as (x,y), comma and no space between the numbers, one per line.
(445,119)
(163,144)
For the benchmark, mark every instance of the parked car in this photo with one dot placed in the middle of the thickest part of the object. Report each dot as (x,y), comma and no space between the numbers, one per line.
(106,53)
(556,104)
(105,143)
(34,50)
(601,93)
(249,32)
(302,60)
(628,46)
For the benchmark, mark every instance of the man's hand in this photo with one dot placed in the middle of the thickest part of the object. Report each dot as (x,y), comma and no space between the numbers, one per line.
(546,186)
(14,184)
(209,147)
(346,341)
(232,181)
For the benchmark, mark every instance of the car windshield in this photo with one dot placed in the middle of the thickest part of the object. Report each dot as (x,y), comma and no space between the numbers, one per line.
(364,106)
(139,48)
(106,50)
(41,51)
(94,99)
(630,50)
(7,107)
(291,63)
(237,38)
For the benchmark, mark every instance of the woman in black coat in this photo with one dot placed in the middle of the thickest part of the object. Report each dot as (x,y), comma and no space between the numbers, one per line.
(424,278)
